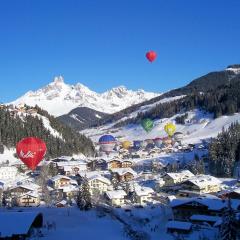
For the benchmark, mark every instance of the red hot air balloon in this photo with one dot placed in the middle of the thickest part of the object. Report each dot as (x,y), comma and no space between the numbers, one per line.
(31,151)
(151,56)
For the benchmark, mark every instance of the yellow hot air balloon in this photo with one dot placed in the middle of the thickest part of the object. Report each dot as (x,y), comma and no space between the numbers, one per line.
(170,129)
(126,144)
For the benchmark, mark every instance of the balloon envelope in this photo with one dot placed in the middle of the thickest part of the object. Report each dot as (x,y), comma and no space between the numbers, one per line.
(107,143)
(158,142)
(170,129)
(147,124)
(137,144)
(126,144)
(151,56)
(31,151)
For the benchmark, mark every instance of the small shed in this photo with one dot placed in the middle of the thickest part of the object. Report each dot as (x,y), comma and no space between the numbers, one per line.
(211,220)
(16,225)
(179,227)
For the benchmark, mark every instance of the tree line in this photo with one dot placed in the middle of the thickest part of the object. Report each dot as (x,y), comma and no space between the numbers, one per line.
(14,127)
(224,152)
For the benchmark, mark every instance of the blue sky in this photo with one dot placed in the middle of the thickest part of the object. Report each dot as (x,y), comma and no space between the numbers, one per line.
(102,43)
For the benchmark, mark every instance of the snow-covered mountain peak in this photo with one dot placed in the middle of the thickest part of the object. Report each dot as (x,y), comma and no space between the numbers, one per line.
(58,80)
(60,98)
(82,88)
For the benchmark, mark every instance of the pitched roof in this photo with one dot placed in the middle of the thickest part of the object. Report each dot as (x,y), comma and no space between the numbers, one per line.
(122,171)
(116,194)
(204,180)
(22,222)
(100,178)
(71,163)
(179,225)
(57,177)
(181,175)
(211,203)
(143,191)
(203,218)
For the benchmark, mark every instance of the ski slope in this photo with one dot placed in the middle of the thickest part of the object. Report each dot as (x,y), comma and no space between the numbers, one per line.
(199,126)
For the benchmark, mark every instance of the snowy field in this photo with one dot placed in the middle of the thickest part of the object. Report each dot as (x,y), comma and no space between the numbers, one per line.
(72,224)
(199,126)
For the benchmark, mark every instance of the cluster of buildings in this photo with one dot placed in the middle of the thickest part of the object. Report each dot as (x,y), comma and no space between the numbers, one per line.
(19,109)
(117,181)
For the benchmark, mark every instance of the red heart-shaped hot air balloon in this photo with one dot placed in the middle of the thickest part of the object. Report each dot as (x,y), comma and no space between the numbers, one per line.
(31,151)
(151,56)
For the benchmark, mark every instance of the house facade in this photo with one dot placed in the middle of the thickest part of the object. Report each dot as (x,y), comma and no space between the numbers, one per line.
(123,174)
(29,199)
(116,197)
(171,179)
(202,184)
(99,184)
(60,181)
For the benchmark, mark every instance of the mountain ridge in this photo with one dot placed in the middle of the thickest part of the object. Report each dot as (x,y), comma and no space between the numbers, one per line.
(59,98)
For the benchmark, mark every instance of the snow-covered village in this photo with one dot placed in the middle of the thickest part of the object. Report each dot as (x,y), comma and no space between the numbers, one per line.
(149,152)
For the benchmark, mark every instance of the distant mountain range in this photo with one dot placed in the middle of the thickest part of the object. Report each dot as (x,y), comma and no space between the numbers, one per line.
(59,98)
(80,108)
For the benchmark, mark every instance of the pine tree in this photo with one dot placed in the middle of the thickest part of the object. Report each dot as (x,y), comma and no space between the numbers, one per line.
(84,197)
(43,181)
(228,229)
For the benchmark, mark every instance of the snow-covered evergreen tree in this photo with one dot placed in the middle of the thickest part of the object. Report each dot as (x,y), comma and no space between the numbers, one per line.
(228,229)
(84,197)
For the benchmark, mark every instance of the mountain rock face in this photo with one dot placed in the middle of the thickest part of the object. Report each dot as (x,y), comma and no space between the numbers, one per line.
(82,117)
(59,98)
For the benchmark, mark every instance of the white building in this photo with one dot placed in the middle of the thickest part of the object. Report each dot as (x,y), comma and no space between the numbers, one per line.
(99,184)
(203,184)
(171,179)
(116,197)
(8,173)
(143,194)
(72,167)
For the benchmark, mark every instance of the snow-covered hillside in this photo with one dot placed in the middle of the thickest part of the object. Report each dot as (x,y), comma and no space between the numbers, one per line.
(198,126)
(59,98)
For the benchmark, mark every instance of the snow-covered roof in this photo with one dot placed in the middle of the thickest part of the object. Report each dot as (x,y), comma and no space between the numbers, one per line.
(171,197)
(88,174)
(58,177)
(212,203)
(185,174)
(30,188)
(119,160)
(143,191)
(16,223)
(122,171)
(237,190)
(63,202)
(204,180)
(205,218)
(69,188)
(100,178)
(71,163)
(116,194)
(31,194)
(179,225)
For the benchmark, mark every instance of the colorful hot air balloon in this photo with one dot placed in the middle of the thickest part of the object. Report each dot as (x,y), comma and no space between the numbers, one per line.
(151,56)
(158,142)
(137,144)
(31,151)
(107,143)
(170,129)
(147,124)
(126,144)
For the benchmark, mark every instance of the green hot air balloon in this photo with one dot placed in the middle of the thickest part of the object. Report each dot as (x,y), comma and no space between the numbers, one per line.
(147,124)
